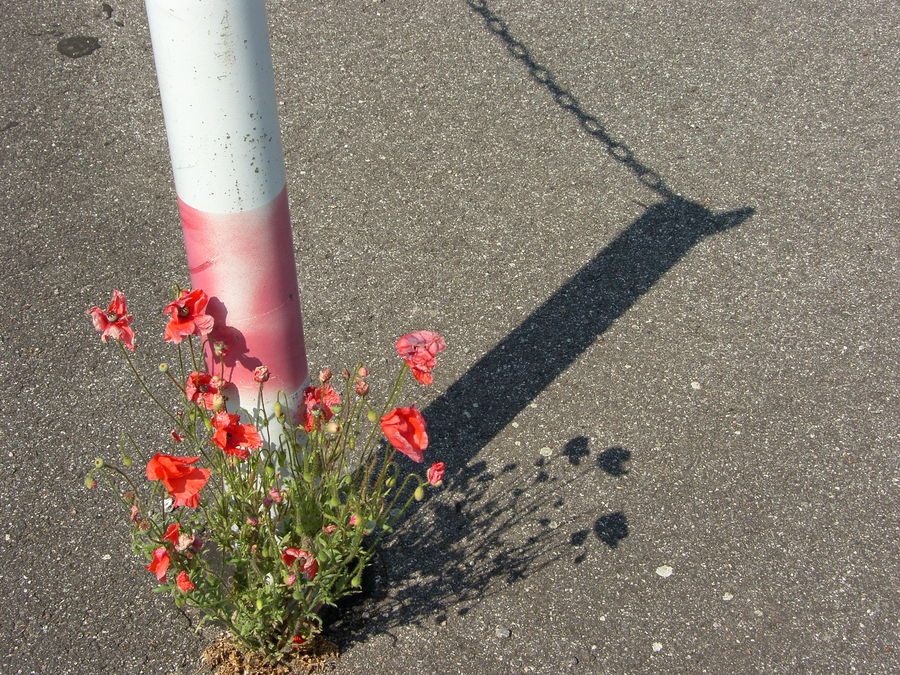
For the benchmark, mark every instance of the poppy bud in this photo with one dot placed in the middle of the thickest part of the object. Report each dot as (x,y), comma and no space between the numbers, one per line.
(279,410)
(372,416)
(219,348)
(261,374)
(126,460)
(345,374)
(89,482)
(98,463)
(324,375)
(362,387)
(332,428)
(218,402)
(259,603)
(391,482)
(164,367)
(363,371)
(357,581)
(419,494)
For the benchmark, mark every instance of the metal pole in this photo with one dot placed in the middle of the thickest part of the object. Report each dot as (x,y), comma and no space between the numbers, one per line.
(214,68)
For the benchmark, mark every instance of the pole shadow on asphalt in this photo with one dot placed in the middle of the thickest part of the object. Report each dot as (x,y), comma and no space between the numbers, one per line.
(469,551)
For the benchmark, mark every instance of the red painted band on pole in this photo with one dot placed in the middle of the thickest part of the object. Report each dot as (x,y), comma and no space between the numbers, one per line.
(245,263)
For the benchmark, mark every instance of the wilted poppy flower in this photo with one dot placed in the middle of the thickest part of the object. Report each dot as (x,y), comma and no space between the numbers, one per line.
(115,321)
(261,374)
(159,564)
(419,350)
(182,481)
(318,399)
(172,533)
(184,582)
(202,388)
(188,316)
(176,436)
(234,438)
(304,559)
(405,429)
(436,474)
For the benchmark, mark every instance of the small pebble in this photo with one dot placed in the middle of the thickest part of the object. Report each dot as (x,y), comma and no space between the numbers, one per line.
(546,452)
(758,612)
(664,571)
(553,525)
(695,385)
(106,556)
(503,633)
(657,646)
(727,596)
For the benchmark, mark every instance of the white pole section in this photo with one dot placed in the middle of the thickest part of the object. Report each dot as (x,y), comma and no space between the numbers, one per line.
(214,68)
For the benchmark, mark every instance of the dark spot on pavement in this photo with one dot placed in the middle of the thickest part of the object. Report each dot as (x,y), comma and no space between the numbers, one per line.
(611,528)
(107,10)
(611,460)
(78,46)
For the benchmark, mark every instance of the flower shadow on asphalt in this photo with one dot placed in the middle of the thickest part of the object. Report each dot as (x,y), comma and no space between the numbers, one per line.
(500,528)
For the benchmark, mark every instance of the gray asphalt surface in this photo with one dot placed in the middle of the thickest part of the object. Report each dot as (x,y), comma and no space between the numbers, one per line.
(661,241)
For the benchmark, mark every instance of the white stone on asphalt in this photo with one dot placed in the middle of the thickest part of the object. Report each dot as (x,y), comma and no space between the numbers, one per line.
(664,571)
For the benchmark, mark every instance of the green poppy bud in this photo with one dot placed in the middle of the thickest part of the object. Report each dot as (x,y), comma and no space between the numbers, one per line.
(89,482)
(419,494)
(372,416)
(164,367)
(126,460)
(357,581)
(391,482)
(259,603)
(279,410)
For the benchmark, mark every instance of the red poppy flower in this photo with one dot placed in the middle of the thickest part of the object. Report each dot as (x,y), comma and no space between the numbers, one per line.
(115,321)
(234,438)
(189,316)
(419,350)
(304,559)
(202,388)
(405,429)
(182,481)
(172,533)
(318,399)
(436,474)
(184,582)
(159,564)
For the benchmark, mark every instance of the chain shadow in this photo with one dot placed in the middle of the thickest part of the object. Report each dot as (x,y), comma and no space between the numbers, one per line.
(488,530)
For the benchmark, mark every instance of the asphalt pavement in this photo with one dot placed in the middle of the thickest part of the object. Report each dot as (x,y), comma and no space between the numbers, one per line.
(661,241)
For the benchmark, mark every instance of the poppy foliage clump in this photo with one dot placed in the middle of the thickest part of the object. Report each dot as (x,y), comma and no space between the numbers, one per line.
(260,518)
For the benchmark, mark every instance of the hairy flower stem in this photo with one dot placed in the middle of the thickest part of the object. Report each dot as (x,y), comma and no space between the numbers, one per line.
(144,385)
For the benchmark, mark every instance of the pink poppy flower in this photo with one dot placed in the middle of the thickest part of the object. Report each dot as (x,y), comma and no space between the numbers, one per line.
(419,350)
(159,564)
(304,559)
(405,429)
(202,389)
(115,322)
(436,474)
(318,399)
(188,316)
(329,529)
